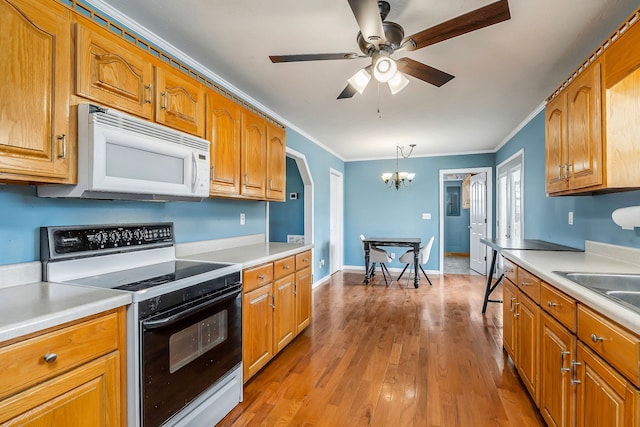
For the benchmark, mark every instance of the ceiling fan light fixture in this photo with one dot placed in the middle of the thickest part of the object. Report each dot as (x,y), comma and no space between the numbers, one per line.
(360,80)
(384,68)
(398,82)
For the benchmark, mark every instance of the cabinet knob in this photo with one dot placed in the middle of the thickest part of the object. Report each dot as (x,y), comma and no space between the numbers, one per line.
(261,276)
(286,266)
(552,304)
(50,357)
(596,338)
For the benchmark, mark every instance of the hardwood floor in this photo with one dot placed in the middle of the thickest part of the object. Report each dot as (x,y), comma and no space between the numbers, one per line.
(394,356)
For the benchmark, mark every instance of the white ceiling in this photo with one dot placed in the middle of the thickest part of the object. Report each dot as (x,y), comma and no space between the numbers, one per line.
(503,73)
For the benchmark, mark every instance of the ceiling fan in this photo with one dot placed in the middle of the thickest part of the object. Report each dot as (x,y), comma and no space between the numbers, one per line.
(379,39)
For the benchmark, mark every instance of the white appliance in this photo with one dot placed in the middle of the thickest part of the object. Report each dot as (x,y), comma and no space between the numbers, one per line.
(123,157)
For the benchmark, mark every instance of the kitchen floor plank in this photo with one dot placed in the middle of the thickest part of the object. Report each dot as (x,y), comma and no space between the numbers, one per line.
(395,356)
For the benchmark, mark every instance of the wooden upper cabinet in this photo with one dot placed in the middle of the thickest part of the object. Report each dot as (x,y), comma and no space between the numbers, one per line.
(35,75)
(556,144)
(584,131)
(253,155)
(179,102)
(276,163)
(111,73)
(223,131)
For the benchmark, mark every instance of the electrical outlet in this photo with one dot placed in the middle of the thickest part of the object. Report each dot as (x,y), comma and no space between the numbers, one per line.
(242,219)
(570,218)
(321,263)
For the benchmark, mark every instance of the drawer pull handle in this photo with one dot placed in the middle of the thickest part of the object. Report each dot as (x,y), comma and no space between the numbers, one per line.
(50,357)
(553,304)
(562,355)
(596,338)
(305,259)
(286,267)
(573,372)
(515,309)
(511,304)
(147,100)
(273,301)
(525,283)
(261,276)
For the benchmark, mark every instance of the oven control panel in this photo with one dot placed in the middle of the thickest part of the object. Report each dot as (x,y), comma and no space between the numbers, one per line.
(91,240)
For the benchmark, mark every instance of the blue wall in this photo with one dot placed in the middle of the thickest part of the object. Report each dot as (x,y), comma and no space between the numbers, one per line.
(374,210)
(456,228)
(288,217)
(320,162)
(546,218)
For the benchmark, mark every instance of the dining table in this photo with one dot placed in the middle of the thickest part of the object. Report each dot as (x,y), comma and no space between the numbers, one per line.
(411,242)
(498,245)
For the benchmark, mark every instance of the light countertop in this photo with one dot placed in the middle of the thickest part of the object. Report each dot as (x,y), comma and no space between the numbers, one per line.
(32,307)
(251,255)
(543,263)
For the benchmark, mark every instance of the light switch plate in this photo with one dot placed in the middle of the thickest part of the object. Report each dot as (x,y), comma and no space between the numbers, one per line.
(426,216)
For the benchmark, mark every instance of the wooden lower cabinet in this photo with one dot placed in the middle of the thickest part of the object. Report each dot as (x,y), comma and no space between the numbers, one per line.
(604,397)
(557,391)
(303,299)
(509,293)
(69,376)
(284,312)
(527,348)
(276,307)
(257,329)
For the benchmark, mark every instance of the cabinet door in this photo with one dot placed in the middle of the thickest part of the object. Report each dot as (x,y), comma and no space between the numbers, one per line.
(284,326)
(557,394)
(179,102)
(276,163)
(35,74)
(556,144)
(584,117)
(604,398)
(509,295)
(303,299)
(223,131)
(253,155)
(113,72)
(257,329)
(86,396)
(528,328)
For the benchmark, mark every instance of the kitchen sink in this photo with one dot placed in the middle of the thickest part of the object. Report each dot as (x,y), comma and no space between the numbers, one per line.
(622,288)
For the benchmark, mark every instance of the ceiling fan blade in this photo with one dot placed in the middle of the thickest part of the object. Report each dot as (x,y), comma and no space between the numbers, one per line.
(423,72)
(312,57)
(367,15)
(474,20)
(347,92)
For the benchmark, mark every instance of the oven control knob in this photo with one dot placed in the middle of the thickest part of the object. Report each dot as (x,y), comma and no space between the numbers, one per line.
(138,234)
(114,236)
(127,235)
(100,237)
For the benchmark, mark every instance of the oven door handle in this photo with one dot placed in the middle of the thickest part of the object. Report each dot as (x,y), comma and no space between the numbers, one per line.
(169,320)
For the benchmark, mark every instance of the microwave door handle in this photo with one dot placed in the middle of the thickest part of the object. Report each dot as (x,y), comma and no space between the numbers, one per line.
(194,172)
(170,320)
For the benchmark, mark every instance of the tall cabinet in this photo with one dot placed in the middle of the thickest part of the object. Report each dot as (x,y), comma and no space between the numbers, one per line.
(35,76)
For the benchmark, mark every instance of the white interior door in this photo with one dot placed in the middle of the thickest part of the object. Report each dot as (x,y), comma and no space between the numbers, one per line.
(478,222)
(335,221)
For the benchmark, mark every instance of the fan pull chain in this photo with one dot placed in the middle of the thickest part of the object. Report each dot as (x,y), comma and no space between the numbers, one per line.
(378,109)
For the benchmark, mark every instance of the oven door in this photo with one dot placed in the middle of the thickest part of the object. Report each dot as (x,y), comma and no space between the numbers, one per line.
(185,350)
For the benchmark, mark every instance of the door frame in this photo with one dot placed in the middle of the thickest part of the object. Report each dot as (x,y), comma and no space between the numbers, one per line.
(442,173)
(336,201)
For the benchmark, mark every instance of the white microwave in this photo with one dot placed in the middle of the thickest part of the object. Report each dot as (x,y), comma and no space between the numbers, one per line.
(123,157)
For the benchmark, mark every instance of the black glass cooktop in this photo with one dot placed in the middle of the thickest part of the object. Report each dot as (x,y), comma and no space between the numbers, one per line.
(149,276)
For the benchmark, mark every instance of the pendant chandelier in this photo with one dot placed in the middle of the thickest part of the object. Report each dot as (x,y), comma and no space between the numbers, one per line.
(398,179)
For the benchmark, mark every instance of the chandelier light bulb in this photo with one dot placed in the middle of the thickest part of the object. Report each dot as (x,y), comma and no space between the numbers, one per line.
(384,69)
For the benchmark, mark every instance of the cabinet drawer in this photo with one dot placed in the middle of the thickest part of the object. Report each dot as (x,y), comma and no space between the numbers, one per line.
(559,305)
(255,277)
(529,284)
(303,260)
(509,270)
(284,267)
(617,346)
(23,364)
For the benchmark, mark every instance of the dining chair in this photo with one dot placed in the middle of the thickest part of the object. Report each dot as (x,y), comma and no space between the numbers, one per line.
(378,256)
(423,257)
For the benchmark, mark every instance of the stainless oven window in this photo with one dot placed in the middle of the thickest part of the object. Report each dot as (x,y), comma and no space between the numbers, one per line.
(197,339)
